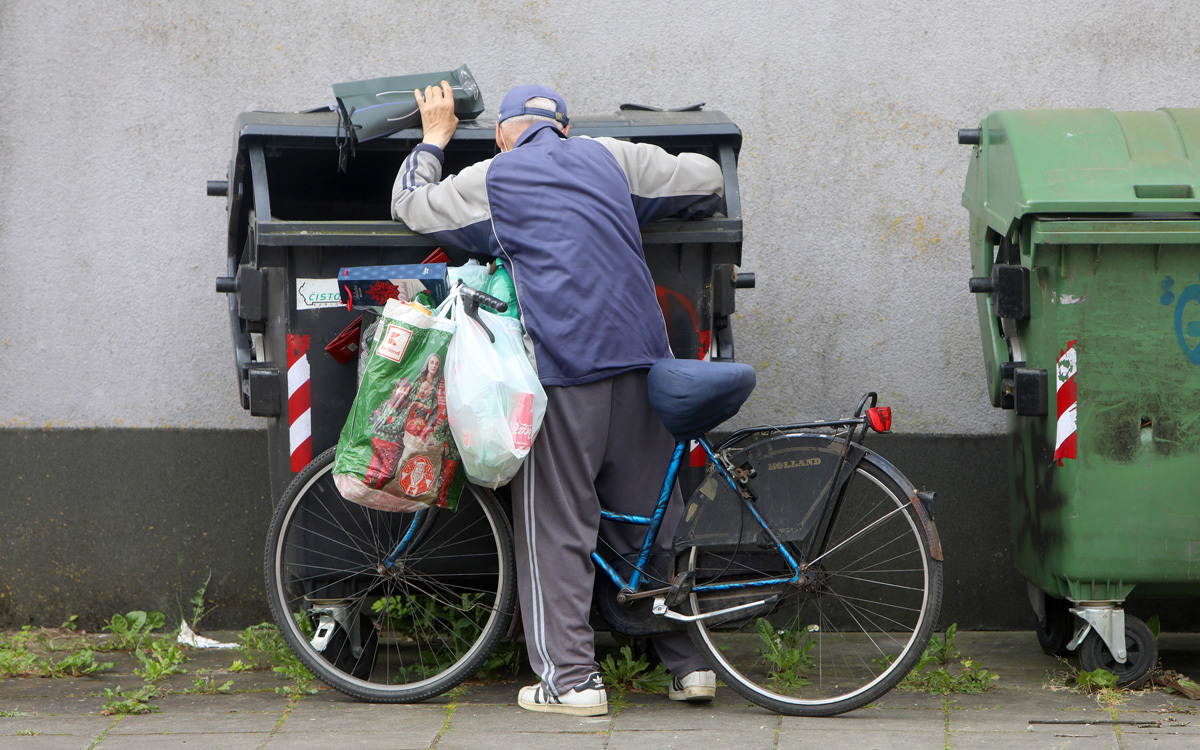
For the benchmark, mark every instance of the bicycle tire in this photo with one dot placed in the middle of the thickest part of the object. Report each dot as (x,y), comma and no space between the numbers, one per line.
(832,627)
(425,625)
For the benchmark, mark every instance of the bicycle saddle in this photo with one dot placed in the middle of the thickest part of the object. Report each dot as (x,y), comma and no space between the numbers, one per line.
(692,396)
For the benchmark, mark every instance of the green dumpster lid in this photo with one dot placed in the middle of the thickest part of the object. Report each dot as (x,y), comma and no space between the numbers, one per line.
(1084,161)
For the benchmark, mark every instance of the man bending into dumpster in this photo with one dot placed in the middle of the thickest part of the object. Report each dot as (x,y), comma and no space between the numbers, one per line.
(564,214)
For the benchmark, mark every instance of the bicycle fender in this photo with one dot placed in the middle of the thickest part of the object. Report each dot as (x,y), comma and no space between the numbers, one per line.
(922,513)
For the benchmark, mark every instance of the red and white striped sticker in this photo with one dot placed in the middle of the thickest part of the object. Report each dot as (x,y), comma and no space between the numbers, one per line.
(1064,444)
(299,402)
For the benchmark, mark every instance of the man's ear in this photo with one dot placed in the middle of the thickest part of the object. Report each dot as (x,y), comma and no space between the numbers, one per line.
(567,130)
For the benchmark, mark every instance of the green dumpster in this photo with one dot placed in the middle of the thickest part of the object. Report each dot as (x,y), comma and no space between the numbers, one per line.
(1085,253)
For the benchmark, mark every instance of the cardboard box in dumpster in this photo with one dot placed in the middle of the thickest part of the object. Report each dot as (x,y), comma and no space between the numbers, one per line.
(373,286)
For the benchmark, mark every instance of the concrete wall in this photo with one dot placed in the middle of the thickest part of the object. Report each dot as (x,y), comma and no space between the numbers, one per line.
(115,113)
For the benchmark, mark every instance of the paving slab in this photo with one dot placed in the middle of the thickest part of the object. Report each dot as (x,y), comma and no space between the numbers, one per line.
(415,726)
(918,720)
(49,742)
(321,740)
(174,722)
(88,726)
(870,739)
(1082,740)
(479,727)
(244,741)
(670,715)
(693,739)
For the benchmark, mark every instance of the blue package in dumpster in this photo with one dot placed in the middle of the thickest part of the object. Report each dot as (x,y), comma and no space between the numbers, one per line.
(373,286)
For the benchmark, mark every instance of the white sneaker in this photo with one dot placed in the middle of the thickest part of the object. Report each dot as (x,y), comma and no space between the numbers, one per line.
(696,687)
(588,698)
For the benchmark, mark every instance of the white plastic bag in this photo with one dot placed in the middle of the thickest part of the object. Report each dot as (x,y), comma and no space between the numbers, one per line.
(494,401)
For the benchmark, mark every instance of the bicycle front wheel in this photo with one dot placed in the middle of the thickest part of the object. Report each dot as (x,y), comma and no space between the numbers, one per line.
(384,634)
(849,631)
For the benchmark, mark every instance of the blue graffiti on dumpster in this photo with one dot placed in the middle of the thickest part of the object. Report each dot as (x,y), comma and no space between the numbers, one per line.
(1192,328)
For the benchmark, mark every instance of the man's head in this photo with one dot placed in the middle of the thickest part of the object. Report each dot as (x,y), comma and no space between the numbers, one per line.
(525,105)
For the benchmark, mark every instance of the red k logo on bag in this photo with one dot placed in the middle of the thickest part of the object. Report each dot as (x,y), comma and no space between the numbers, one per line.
(395,341)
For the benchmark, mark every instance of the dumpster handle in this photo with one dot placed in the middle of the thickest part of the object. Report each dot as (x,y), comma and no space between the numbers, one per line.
(970,136)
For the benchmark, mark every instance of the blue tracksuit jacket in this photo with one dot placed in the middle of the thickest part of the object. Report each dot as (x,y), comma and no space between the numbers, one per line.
(565,214)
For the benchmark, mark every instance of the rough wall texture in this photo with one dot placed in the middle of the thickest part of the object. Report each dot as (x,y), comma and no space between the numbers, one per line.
(115,113)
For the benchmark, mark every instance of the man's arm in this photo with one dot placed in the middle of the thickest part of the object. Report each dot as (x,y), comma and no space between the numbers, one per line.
(688,185)
(453,211)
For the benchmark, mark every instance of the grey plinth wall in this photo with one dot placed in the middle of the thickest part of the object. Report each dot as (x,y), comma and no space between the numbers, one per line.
(128,469)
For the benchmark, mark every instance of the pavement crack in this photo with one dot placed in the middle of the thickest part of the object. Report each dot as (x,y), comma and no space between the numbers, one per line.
(778,731)
(286,713)
(946,720)
(106,730)
(451,707)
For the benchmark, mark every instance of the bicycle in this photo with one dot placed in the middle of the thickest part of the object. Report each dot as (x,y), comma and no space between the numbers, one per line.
(806,568)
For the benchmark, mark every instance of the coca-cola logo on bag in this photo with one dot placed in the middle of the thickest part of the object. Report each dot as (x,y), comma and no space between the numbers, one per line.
(520,422)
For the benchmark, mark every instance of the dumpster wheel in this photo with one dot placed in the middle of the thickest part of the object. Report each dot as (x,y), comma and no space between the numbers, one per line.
(1141,654)
(1054,635)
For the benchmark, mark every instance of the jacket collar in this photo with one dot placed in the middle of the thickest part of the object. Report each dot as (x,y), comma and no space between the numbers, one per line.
(534,129)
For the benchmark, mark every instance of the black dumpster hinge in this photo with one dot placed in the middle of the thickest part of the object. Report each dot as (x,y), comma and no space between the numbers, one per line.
(265,391)
(1009,287)
(1024,389)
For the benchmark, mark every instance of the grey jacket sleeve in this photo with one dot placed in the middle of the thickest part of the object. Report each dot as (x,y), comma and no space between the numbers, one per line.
(453,210)
(666,185)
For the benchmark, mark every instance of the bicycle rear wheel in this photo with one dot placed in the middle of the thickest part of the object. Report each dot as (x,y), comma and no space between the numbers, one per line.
(383,635)
(849,631)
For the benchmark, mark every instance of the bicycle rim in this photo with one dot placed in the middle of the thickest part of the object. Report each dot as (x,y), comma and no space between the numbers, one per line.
(388,635)
(845,635)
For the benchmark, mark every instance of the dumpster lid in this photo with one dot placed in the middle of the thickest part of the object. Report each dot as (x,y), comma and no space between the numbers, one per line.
(322,125)
(1084,161)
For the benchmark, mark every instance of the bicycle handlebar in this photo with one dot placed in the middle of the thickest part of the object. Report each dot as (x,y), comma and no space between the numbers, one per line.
(483,298)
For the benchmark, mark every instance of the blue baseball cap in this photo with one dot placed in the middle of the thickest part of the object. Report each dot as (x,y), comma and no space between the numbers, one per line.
(513,104)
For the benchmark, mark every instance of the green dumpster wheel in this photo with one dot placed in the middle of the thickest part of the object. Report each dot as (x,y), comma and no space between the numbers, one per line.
(1054,636)
(1141,654)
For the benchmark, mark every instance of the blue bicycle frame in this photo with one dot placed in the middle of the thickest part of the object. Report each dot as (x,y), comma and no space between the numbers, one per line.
(654,522)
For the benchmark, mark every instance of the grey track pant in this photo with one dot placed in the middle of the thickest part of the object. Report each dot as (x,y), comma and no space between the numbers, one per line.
(601,446)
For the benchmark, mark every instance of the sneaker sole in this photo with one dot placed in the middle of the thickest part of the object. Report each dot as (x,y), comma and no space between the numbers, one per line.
(698,694)
(562,708)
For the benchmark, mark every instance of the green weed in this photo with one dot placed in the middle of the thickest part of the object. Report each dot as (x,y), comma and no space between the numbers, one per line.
(263,647)
(133,629)
(207,684)
(120,703)
(163,661)
(623,672)
(70,623)
(200,607)
(942,669)
(258,644)
(18,660)
(78,664)
(786,651)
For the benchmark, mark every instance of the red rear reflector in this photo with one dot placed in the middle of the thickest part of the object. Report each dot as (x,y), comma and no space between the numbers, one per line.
(880,418)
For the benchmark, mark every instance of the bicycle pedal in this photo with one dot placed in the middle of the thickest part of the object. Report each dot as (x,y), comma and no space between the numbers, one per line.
(681,586)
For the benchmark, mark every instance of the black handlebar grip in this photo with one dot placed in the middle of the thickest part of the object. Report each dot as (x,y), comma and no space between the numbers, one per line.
(485,299)
(970,136)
